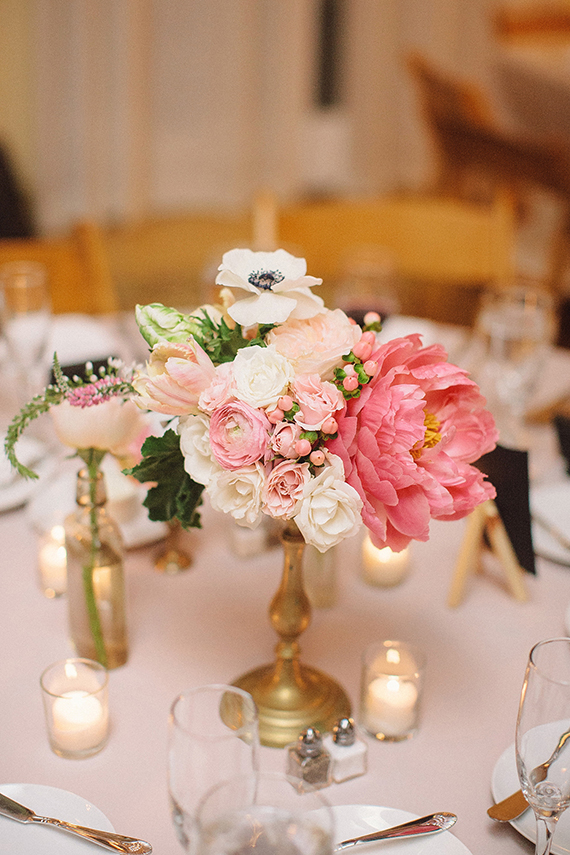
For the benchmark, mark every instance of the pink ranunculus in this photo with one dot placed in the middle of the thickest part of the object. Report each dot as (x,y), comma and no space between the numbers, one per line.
(317,399)
(220,390)
(239,434)
(316,344)
(284,487)
(177,373)
(408,442)
(283,439)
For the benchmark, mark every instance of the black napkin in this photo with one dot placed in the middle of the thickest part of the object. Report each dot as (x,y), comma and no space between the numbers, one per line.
(507,470)
(78,369)
(562,425)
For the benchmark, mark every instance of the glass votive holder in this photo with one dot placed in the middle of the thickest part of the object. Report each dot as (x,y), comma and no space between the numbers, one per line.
(76,707)
(52,562)
(391,689)
(383,567)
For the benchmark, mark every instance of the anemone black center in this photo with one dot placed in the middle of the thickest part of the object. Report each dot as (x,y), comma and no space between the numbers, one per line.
(265,279)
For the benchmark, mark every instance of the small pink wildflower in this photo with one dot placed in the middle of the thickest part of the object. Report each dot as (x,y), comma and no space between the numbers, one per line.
(94,393)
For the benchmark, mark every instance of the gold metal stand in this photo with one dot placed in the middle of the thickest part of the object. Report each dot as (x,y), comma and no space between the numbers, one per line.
(291,696)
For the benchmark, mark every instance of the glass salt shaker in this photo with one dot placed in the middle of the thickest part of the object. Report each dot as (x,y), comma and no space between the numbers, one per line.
(348,752)
(308,760)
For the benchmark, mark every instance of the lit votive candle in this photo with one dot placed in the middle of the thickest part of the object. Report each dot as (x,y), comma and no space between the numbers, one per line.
(392,678)
(79,722)
(383,567)
(52,562)
(75,702)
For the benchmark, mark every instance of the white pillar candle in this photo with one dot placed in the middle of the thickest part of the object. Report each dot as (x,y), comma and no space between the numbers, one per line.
(390,706)
(79,722)
(52,562)
(383,567)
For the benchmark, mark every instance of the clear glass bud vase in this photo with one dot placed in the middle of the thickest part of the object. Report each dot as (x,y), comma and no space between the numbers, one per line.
(95,577)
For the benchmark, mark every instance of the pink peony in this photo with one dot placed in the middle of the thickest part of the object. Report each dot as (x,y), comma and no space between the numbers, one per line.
(284,488)
(317,399)
(284,438)
(408,441)
(177,373)
(239,434)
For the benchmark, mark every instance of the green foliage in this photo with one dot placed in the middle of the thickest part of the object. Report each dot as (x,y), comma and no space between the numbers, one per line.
(221,342)
(176,495)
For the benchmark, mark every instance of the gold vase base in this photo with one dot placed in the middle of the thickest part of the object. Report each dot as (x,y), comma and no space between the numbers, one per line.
(286,707)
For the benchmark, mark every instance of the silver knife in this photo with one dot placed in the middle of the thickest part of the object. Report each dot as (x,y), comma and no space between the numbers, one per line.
(424,825)
(107,839)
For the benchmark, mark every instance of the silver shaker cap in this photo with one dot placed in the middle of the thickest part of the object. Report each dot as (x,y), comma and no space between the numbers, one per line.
(309,743)
(344,732)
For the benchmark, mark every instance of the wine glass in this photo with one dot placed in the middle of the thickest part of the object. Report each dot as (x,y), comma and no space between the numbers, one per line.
(213,734)
(273,814)
(514,330)
(26,316)
(543,729)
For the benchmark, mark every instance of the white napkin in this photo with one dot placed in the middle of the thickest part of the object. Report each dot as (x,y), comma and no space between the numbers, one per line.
(77,338)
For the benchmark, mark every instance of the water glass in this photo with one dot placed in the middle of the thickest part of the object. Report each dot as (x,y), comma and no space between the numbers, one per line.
(542,734)
(26,317)
(269,813)
(514,328)
(213,735)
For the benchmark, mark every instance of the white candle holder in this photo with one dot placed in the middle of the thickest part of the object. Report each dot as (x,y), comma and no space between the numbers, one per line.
(75,700)
(391,688)
(52,562)
(383,567)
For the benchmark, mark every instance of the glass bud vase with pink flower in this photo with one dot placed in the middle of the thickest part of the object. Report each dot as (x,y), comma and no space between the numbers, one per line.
(95,577)
(93,416)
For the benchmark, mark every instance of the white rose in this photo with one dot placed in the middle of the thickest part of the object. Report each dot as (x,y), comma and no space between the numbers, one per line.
(195,446)
(330,508)
(261,375)
(112,425)
(239,493)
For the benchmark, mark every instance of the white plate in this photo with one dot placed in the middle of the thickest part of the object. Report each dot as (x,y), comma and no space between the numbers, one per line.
(506,781)
(355,820)
(552,502)
(20,490)
(17,838)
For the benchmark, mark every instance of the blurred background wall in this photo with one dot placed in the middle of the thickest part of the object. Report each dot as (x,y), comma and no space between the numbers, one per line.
(117,109)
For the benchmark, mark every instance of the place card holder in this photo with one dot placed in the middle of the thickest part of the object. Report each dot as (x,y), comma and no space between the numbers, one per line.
(503,525)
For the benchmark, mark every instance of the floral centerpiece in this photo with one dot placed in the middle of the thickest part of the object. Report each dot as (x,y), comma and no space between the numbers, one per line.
(288,409)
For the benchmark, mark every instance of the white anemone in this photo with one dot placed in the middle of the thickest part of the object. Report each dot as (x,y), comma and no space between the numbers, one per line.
(276,283)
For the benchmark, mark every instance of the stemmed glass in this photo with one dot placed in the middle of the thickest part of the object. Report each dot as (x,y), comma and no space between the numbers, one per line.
(26,316)
(514,328)
(213,735)
(543,729)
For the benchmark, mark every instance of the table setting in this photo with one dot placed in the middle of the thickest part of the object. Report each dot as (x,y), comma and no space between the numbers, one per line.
(381,703)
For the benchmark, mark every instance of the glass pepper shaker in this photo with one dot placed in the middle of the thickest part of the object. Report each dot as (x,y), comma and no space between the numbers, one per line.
(308,760)
(348,752)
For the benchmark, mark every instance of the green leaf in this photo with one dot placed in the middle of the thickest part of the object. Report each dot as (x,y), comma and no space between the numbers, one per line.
(176,495)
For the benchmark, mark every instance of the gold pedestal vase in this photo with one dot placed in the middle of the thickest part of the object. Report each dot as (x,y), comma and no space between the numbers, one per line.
(289,695)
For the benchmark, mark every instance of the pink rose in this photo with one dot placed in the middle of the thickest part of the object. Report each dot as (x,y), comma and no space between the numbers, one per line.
(176,375)
(284,488)
(284,438)
(239,434)
(408,441)
(316,344)
(220,389)
(317,400)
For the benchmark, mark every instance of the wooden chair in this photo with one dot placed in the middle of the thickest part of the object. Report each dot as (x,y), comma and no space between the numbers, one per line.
(444,252)
(78,271)
(172,259)
(469,144)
